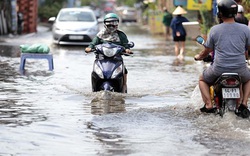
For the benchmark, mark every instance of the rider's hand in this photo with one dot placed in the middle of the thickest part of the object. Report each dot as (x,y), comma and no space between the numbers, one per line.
(128,51)
(197,57)
(87,50)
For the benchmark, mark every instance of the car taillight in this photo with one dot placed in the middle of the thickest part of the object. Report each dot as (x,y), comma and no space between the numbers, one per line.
(230,82)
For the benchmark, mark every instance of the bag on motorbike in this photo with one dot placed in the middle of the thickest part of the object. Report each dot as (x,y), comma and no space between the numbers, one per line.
(35,48)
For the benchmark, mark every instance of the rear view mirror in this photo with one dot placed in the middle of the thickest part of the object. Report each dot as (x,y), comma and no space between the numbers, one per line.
(200,40)
(51,19)
(100,20)
(131,44)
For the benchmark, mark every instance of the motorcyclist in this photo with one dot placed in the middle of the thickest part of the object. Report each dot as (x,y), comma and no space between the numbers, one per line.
(228,40)
(110,33)
(240,17)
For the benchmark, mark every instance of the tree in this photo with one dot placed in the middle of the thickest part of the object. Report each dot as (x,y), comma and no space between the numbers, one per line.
(50,8)
(90,2)
(206,20)
(127,2)
(246,4)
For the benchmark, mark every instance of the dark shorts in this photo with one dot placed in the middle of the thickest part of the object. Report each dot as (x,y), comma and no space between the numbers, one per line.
(210,76)
(126,71)
(179,38)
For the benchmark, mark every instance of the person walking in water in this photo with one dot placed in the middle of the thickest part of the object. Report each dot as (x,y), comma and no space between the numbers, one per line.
(179,32)
(167,18)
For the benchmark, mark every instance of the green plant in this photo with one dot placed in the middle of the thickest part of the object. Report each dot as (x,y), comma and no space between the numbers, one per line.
(246,4)
(91,2)
(206,20)
(247,16)
(50,8)
(126,2)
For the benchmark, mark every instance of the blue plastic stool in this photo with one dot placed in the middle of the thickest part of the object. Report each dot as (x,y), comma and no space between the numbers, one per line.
(24,56)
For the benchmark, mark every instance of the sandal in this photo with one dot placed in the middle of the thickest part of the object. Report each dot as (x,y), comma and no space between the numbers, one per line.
(242,111)
(204,109)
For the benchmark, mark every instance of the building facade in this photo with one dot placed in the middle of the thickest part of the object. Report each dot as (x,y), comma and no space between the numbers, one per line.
(18,16)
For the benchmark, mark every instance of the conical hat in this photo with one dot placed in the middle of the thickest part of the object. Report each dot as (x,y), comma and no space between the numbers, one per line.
(179,11)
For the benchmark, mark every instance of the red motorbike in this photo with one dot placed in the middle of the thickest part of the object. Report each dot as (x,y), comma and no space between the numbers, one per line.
(225,92)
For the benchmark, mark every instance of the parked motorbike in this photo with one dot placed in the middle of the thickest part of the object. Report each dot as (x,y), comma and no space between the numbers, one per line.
(225,92)
(108,69)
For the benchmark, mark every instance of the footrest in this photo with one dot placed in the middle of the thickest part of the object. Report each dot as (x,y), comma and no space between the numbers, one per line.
(24,56)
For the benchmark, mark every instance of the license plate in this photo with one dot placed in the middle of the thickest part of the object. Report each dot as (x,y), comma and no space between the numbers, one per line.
(75,37)
(230,93)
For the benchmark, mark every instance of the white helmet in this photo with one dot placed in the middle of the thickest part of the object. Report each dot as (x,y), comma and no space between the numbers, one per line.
(240,9)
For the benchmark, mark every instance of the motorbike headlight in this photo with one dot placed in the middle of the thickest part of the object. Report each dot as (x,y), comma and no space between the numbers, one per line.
(117,71)
(109,52)
(98,71)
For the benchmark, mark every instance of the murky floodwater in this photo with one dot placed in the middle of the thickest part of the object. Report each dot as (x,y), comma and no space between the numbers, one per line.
(55,113)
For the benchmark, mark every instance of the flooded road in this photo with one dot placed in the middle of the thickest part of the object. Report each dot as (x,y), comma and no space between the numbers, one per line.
(55,113)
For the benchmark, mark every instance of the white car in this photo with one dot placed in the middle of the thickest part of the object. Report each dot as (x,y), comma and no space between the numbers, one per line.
(127,14)
(74,26)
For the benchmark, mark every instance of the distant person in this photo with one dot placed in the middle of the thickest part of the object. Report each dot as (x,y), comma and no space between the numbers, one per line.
(240,18)
(19,21)
(179,32)
(167,18)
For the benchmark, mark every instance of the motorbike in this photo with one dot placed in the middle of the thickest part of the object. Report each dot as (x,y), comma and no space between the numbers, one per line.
(225,92)
(108,69)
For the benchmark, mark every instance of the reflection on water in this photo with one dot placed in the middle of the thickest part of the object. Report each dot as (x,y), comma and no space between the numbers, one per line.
(13,114)
(107,102)
(178,62)
(15,110)
(110,139)
(6,71)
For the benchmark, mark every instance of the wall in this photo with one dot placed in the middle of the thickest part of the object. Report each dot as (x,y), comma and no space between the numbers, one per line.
(29,10)
(155,16)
